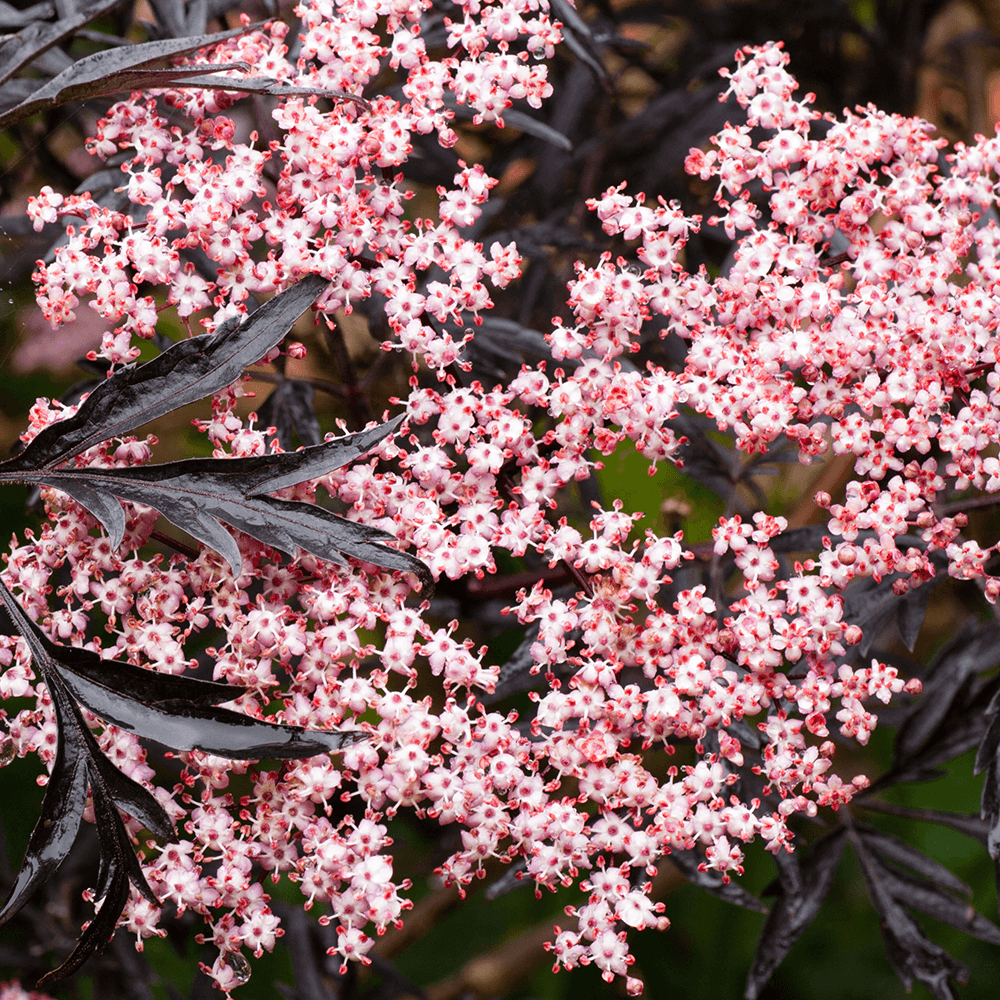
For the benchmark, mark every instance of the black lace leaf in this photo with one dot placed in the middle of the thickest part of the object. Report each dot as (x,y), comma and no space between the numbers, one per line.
(17,51)
(712,882)
(203,496)
(179,712)
(289,409)
(117,70)
(802,888)
(912,954)
(184,373)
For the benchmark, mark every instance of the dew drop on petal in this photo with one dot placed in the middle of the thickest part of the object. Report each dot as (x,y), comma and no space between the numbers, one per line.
(240,967)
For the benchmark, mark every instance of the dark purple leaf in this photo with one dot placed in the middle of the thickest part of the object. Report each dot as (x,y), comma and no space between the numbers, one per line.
(990,800)
(894,849)
(178,715)
(185,373)
(265,86)
(98,932)
(971,826)
(203,495)
(197,17)
(937,902)
(792,913)
(711,882)
(289,410)
(184,726)
(912,955)
(515,877)
(950,676)
(910,613)
(117,70)
(199,495)
(170,14)
(31,41)
(146,686)
(60,818)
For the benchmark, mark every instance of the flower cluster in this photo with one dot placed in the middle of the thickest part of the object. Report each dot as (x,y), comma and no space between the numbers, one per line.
(875,356)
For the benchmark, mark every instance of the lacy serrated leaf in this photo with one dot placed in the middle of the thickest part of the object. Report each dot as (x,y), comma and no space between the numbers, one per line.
(178,712)
(30,42)
(912,955)
(794,911)
(894,849)
(937,902)
(201,495)
(950,676)
(289,409)
(60,817)
(185,373)
(711,882)
(115,70)
(971,826)
(99,931)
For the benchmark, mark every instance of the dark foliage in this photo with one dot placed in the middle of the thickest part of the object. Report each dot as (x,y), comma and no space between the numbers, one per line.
(198,495)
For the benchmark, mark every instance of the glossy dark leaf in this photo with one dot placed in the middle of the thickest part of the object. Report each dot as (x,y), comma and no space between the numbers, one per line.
(289,410)
(514,118)
(264,86)
(990,800)
(894,849)
(178,712)
(60,817)
(962,728)
(793,912)
(711,882)
(183,726)
(971,826)
(937,902)
(910,613)
(948,685)
(912,955)
(170,14)
(98,932)
(19,50)
(579,39)
(185,373)
(115,70)
(201,495)
(870,604)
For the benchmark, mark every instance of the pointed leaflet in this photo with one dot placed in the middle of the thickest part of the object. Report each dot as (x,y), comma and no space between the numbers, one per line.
(188,371)
(795,910)
(183,726)
(290,409)
(970,653)
(16,51)
(99,930)
(912,955)
(971,826)
(112,71)
(894,849)
(937,902)
(60,818)
(178,715)
(199,494)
